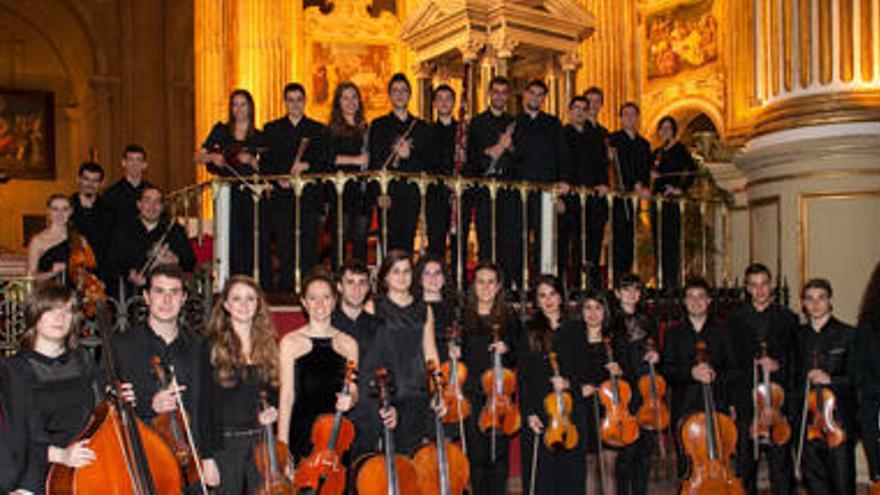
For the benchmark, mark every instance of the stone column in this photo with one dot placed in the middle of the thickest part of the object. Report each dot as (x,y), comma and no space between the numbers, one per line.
(569,62)
(424,73)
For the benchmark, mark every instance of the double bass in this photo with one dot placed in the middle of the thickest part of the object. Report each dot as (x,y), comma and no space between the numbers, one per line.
(385,473)
(501,412)
(561,431)
(322,471)
(619,427)
(442,467)
(269,456)
(709,440)
(130,458)
(769,423)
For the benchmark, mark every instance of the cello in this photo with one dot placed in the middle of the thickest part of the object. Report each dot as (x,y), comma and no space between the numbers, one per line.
(386,473)
(173,427)
(501,411)
(619,428)
(442,467)
(709,440)
(768,397)
(561,431)
(131,458)
(81,265)
(269,456)
(322,471)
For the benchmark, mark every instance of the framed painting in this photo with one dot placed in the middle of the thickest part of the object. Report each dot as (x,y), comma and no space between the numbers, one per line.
(365,64)
(681,39)
(27,134)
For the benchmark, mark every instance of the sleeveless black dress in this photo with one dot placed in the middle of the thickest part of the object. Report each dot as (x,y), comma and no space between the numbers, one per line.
(59,253)
(318,376)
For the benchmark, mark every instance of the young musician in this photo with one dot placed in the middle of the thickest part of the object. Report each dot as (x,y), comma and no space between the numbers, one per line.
(347,151)
(585,138)
(401,142)
(163,336)
(673,169)
(407,338)
(763,320)
(92,216)
(560,471)
(122,196)
(867,370)
(238,132)
(827,470)
(313,363)
(632,153)
(51,389)
(244,360)
(286,154)
(49,250)
(541,156)
(486,305)
(635,327)
(588,349)
(437,206)
(489,154)
(148,239)
(353,285)
(431,286)
(680,368)
(8,463)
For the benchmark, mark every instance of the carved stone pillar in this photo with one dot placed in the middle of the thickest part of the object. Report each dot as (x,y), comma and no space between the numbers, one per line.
(569,62)
(424,73)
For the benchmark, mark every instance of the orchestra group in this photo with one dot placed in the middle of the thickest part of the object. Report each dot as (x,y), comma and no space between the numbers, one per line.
(395,385)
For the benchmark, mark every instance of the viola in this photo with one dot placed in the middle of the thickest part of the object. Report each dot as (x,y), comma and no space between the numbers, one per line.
(454,373)
(442,467)
(619,427)
(769,422)
(822,404)
(386,473)
(501,412)
(709,441)
(322,472)
(173,427)
(561,431)
(131,458)
(269,456)
(81,265)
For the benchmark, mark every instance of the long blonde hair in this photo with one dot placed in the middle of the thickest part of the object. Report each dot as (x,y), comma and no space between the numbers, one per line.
(226,354)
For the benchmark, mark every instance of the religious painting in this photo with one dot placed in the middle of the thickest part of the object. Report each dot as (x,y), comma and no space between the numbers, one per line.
(366,65)
(27,147)
(681,39)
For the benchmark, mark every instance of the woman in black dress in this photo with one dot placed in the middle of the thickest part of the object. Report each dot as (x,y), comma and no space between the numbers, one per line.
(234,144)
(313,363)
(346,136)
(407,335)
(432,287)
(51,389)
(560,471)
(49,250)
(486,305)
(673,174)
(867,370)
(244,358)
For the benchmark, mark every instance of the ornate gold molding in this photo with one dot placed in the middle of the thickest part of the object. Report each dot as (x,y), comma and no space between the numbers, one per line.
(818,109)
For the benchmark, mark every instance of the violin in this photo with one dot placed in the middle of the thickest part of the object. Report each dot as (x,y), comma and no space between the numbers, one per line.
(131,458)
(619,428)
(822,404)
(173,427)
(386,473)
(322,472)
(874,489)
(454,373)
(442,467)
(501,412)
(81,266)
(653,415)
(768,396)
(269,455)
(561,432)
(709,441)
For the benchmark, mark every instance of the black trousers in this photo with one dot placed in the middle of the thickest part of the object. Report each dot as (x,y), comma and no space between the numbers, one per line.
(509,251)
(670,257)
(634,465)
(571,263)
(624,243)
(829,471)
(476,202)
(241,231)
(488,477)
(870,433)
(277,224)
(437,213)
(237,468)
(403,216)
(779,459)
(559,472)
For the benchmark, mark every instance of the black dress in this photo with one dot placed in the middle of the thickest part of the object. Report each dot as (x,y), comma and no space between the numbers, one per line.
(401,336)
(59,253)
(672,166)
(357,198)
(317,377)
(49,402)
(241,211)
